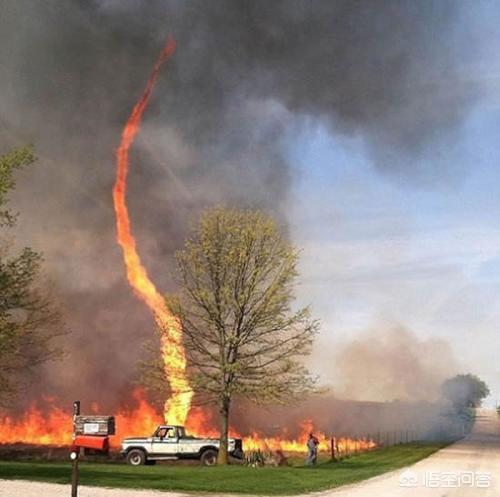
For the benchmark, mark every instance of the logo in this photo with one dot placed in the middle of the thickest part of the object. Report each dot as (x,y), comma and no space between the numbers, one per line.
(408,478)
(445,479)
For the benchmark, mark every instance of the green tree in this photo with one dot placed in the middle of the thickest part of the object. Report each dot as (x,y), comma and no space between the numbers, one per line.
(29,321)
(242,338)
(465,390)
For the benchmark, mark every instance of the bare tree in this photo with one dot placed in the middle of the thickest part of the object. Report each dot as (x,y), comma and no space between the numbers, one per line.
(237,275)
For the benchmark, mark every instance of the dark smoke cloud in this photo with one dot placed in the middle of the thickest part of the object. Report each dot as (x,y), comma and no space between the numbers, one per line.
(245,76)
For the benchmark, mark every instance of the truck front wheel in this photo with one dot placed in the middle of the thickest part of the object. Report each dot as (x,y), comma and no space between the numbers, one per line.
(209,457)
(136,457)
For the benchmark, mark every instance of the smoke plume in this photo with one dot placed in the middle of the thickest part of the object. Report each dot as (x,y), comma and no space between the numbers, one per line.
(247,76)
(392,363)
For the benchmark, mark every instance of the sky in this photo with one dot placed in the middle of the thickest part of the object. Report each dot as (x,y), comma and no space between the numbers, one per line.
(368,129)
(378,252)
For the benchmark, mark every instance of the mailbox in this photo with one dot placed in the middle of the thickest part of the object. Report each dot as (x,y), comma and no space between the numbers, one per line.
(91,442)
(94,425)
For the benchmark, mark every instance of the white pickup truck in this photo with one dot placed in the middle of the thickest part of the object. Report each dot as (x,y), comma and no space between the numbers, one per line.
(171,442)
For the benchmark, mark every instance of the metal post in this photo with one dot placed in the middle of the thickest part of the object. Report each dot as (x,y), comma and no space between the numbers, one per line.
(74,463)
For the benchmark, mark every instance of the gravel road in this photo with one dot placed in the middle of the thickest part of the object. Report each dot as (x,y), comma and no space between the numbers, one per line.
(469,468)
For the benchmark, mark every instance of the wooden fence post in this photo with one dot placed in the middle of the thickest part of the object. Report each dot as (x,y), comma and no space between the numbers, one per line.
(332,448)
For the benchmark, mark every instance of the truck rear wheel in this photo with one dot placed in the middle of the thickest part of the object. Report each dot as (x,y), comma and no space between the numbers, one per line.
(209,457)
(136,457)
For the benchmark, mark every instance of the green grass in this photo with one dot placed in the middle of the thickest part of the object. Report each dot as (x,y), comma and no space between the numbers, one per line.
(230,479)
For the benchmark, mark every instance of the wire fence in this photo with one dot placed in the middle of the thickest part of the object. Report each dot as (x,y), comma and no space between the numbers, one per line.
(342,447)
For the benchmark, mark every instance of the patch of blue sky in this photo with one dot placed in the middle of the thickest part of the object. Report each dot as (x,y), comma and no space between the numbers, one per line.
(375,247)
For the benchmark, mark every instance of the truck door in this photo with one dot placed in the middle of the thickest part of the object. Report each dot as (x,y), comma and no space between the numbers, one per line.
(165,441)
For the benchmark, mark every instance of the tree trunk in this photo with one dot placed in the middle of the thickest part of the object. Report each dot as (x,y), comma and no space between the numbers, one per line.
(224,429)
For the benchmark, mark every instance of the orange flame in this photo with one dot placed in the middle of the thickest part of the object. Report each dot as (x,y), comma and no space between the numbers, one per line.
(200,425)
(177,407)
(54,427)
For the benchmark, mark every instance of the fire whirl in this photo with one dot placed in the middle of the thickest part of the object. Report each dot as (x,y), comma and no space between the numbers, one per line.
(52,425)
(174,358)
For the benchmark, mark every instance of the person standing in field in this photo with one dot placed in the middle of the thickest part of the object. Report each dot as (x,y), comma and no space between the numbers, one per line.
(312,449)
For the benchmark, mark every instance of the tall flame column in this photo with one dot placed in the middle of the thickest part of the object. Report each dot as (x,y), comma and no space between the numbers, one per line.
(174,358)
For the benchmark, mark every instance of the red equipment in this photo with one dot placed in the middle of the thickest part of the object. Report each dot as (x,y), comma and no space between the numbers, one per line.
(91,442)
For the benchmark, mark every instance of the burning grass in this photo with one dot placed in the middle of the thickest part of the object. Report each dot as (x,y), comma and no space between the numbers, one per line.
(52,426)
(231,479)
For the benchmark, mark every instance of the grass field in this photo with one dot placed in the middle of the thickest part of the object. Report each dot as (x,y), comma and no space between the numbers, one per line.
(231,479)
